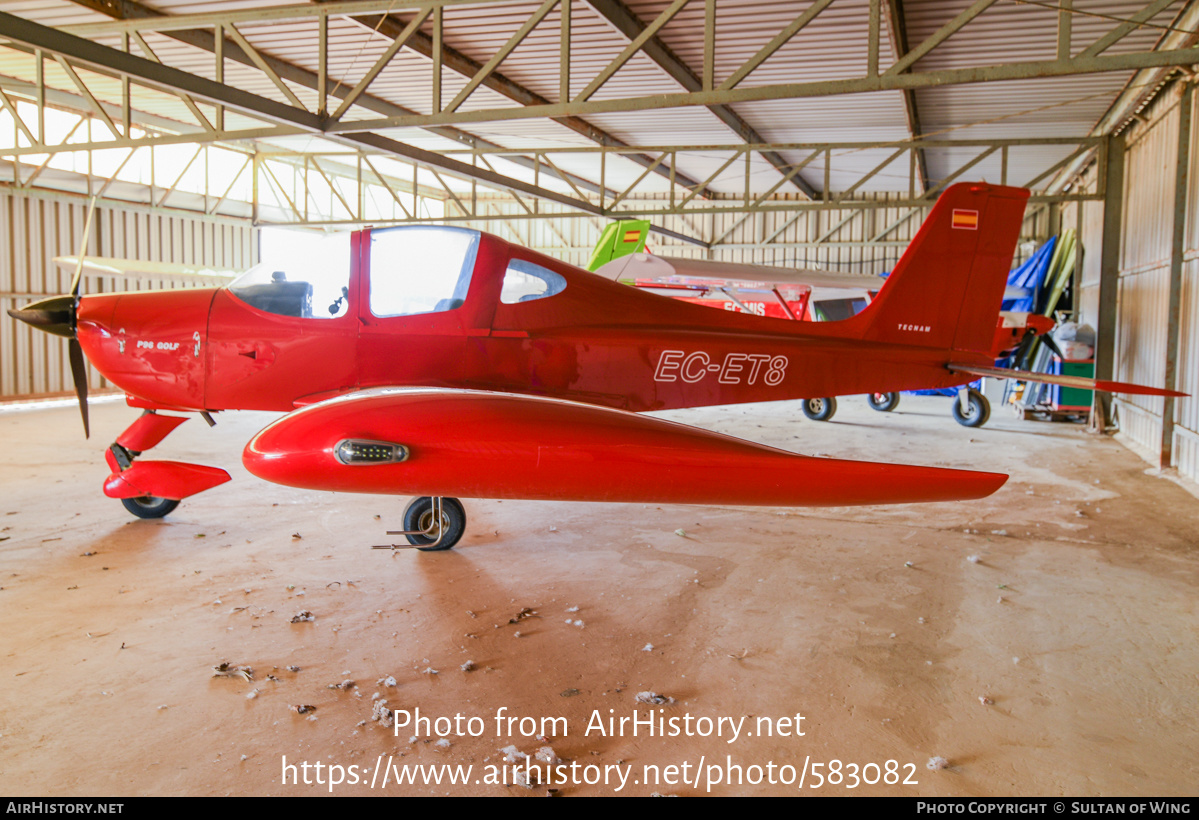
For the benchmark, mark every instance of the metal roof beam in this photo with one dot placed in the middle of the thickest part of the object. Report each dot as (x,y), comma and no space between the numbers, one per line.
(899,41)
(449,57)
(939,36)
(1183,34)
(205,40)
(1124,29)
(774,45)
(253,13)
(155,75)
(628,24)
(790,91)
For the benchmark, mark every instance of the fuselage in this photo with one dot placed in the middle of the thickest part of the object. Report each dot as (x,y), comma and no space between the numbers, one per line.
(510,320)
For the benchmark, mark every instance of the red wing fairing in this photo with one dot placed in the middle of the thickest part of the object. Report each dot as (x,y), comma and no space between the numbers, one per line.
(492,445)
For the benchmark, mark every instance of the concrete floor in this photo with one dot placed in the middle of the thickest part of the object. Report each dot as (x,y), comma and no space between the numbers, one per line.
(1041,642)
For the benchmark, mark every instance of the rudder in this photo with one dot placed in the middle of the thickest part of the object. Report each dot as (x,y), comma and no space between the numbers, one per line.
(946,290)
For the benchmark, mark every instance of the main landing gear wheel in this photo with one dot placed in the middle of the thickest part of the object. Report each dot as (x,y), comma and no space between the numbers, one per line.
(150,506)
(977,411)
(883,402)
(819,409)
(420,517)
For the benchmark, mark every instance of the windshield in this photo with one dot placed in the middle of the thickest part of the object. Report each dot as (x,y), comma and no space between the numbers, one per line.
(420,269)
(309,280)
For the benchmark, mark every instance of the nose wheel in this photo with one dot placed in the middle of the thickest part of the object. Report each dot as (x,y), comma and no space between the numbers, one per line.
(432,524)
(150,506)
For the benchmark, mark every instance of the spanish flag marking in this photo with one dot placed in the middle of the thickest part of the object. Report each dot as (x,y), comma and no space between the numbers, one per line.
(967,220)
(631,236)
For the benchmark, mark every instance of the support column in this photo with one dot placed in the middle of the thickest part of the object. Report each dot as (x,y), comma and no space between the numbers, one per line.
(1055,219)
(1109,275)
(1177,249)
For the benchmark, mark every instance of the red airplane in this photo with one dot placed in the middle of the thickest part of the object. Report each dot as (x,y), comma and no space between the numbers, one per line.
(444,362)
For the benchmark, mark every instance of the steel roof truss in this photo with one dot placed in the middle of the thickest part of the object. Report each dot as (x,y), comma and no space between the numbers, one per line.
(785,35)
(104,59)
(941,35)
(819,88)
(11,108)
(379,65)
(487,68)
(636,44)
(619,15)
(387,187)
(1124,29)
(229,188)
(188,101)
(433,48)
(215,43)
(87,95)
(187,167)
(1053,169)
(944,183)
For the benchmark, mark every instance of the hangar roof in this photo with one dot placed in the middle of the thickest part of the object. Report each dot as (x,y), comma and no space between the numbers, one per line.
(592,104)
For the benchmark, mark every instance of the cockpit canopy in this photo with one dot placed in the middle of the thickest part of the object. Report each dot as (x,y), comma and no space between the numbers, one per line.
(421,269)
(312,284)
(413,270)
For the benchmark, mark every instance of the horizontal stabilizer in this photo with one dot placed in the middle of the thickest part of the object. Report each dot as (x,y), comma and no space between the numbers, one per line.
(1066,381)
(473,444)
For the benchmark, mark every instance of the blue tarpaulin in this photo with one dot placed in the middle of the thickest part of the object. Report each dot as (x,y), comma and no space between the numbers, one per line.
(1031,277)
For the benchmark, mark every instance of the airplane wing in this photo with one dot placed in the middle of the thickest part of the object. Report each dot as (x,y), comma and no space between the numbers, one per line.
(113,266)
(641,266)
(1066,381)
(479,444)
(648,270)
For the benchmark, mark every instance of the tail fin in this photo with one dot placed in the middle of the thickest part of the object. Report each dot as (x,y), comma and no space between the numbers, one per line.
(946,290)
(619,239)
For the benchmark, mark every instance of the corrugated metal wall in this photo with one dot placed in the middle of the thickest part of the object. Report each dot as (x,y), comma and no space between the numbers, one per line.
(41,226)
(1150,169)
(1152,156)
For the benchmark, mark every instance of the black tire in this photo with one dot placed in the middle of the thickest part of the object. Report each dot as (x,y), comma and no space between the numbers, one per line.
(419,516)
(883,402)
(150,506)
(978,412)
(819,409)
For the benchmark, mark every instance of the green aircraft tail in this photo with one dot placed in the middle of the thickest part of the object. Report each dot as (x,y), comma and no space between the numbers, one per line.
(619,239)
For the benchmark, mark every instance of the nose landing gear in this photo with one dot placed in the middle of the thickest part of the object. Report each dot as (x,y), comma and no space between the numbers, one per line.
(153,489)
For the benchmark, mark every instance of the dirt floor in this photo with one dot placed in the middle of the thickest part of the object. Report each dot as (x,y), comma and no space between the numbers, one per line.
(1041,642)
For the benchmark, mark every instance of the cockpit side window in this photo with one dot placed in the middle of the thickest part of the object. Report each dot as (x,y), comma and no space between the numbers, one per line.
(420,269)
(526,282)
(313,284)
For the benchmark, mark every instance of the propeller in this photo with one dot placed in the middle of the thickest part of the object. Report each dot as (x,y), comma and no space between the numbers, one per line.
(1024,351)
(1052,345)
(57,315)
